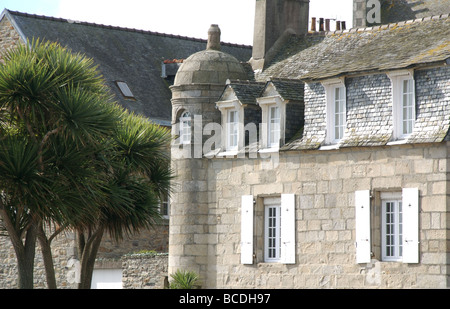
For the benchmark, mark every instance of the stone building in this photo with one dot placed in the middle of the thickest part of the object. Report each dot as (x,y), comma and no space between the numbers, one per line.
(321,161)
(328,169)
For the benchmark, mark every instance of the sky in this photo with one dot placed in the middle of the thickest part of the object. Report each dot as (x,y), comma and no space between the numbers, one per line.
(190,18)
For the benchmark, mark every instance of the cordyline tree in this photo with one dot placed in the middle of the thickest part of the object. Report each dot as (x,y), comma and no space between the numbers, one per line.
(70,158)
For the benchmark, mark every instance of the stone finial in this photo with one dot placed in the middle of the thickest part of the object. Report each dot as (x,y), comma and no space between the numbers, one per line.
(213,38)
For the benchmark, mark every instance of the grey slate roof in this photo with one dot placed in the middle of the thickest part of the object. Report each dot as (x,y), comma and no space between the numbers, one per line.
(371,50)
(246,91)
(289,89)
(393,10)
(123,54)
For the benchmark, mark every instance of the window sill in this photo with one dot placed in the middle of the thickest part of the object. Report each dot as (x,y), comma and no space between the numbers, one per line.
(397,142)
(329,147)
(231,153)
(269,150)
(272,265)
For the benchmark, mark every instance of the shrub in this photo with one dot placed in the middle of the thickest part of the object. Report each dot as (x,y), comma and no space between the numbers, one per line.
(183,279)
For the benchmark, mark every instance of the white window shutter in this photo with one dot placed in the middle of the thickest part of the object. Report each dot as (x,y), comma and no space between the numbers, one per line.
(247,229)
(288,228)
(410,209)
(362,226)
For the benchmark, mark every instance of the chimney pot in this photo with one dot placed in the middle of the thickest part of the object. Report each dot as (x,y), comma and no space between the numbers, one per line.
(327,25)
(320,24)
(338,25)
(313,24)
(343,25)
(214,38)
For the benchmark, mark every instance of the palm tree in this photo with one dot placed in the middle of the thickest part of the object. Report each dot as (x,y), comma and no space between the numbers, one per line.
(136,165)
(55,111)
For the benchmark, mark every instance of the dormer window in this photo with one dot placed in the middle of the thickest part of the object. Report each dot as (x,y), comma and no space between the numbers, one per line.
(232,130)
(404,104)
(274,127)
(336,110)
(185,128)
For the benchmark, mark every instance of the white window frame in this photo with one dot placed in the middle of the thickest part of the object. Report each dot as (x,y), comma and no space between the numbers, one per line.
(185,128)
(272,230)
(402,115)
(274,127)
(391,227)
(332,124)
(409,198)
(232,129)
(267,103)
(285,223)
(225,108)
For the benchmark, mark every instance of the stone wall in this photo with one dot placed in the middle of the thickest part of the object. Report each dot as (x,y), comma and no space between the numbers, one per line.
(63,249)
(9,38)
(140,271)
(324,184)
(144,271)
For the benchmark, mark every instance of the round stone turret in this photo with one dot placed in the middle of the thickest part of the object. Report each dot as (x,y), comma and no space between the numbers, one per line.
(198,84)
(210,66)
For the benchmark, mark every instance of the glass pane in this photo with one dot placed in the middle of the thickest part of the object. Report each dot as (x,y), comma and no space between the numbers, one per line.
(274,126)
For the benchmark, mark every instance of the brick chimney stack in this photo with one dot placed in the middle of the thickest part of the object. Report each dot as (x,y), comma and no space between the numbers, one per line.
(274,19)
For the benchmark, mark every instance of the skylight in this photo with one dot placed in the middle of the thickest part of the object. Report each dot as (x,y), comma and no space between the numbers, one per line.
(126,92)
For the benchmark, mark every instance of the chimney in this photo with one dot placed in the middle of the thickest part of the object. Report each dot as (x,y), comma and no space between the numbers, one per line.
(213,38)
(313,24)
(274,19)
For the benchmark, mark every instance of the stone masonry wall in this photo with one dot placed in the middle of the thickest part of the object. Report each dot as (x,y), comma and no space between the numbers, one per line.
(144,271)
(324,184)
(9,38)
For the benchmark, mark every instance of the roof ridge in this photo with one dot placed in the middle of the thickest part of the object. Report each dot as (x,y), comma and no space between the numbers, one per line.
(381,27)
(85,23)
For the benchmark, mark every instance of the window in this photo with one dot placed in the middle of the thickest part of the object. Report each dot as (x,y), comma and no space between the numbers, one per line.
(126,92)
(276,218)
(392,232)
(164,207)
(404,104)
(274,127)
(272,230)
(339,113)
(398,226)
(273,120)
(232,130)
(408,108)
(185,128)
(336,109)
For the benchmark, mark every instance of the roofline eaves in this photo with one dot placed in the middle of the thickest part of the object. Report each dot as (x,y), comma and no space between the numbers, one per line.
(175,36)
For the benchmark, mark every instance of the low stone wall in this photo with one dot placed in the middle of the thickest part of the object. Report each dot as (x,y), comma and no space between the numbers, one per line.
(145,271)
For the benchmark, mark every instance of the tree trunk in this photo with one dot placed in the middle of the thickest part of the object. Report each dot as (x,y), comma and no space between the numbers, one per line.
(25,249)
(89,253)
(25,259)
(48,258)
